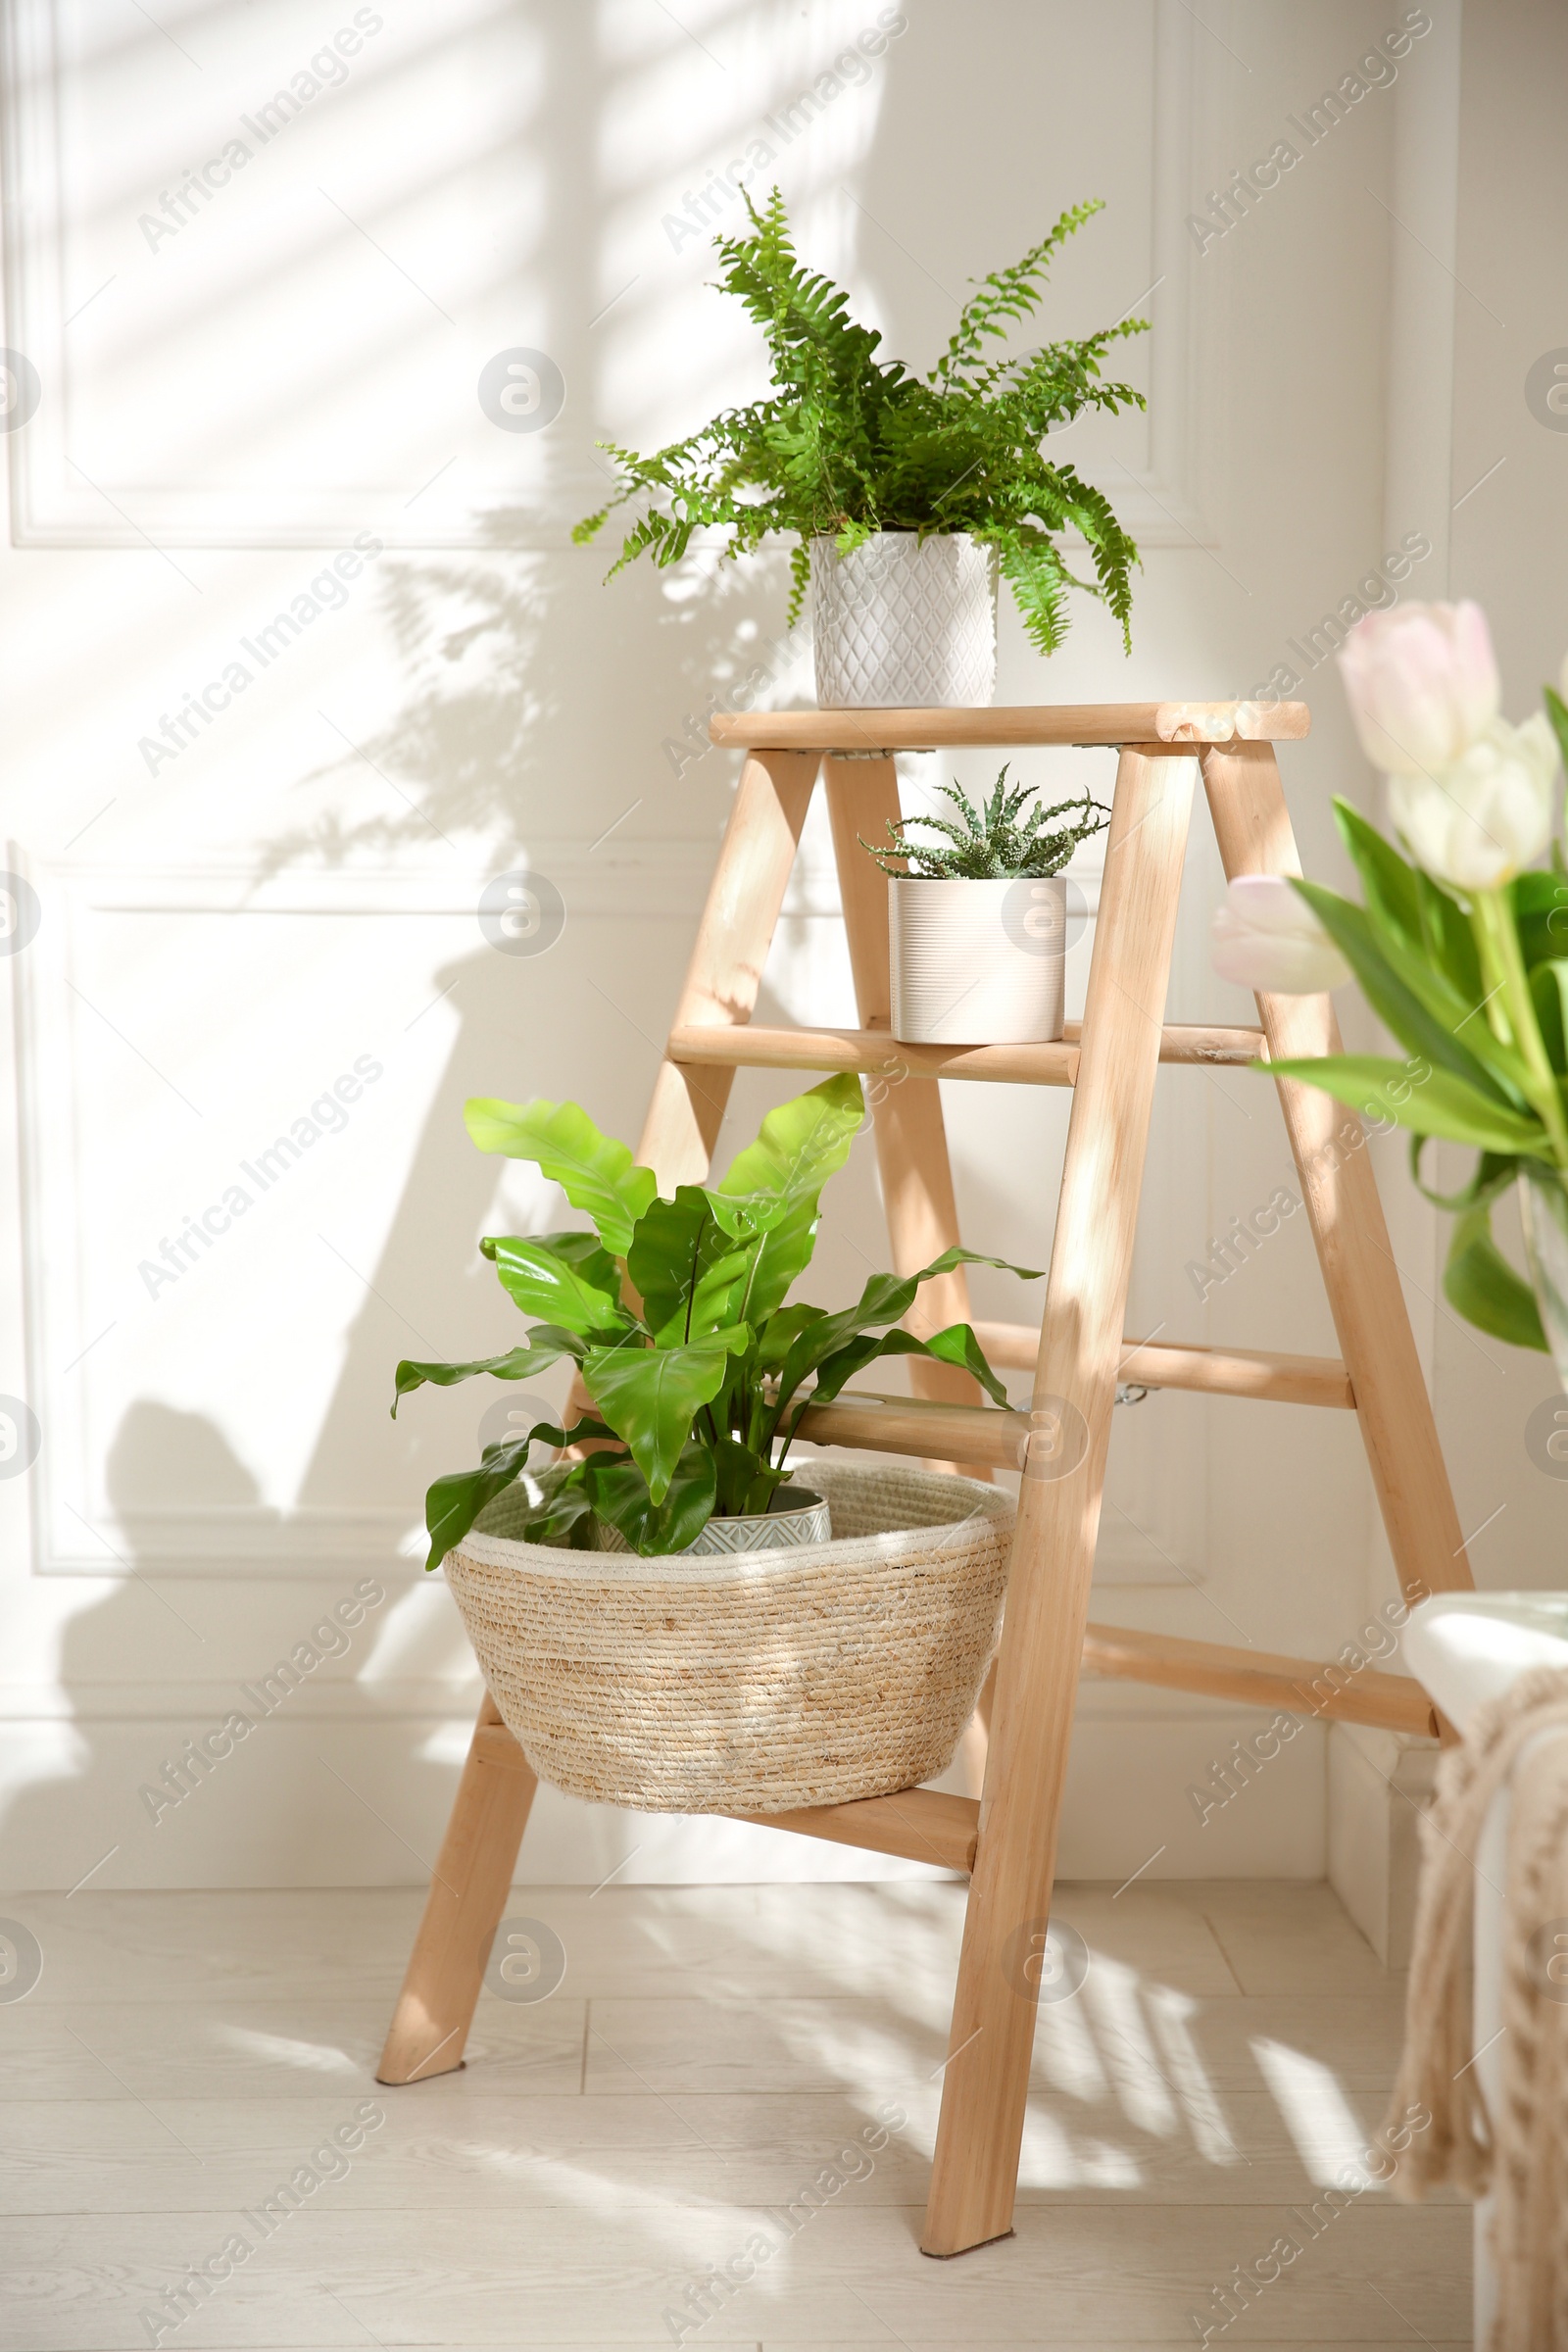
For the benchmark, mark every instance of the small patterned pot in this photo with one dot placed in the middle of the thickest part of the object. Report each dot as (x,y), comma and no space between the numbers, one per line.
(904,623)
(796,1516)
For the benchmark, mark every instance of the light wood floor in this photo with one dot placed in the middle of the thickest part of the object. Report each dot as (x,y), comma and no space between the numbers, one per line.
(708,2056)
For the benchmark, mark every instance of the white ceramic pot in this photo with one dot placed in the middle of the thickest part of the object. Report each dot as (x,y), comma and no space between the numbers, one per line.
(904,623)
(977,963)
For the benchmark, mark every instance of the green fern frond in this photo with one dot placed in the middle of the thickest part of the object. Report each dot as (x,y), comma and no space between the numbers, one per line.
(850,443)
(1008,294)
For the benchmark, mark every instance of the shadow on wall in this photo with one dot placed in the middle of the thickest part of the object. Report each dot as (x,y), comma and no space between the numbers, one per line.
(542,706)
(279,1802)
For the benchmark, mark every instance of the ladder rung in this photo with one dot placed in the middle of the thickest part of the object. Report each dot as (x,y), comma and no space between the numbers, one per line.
(1259,1678)
(1203,1041)
(746,1046)
(1214,1371)
(912,730)
(938,1433)
(923,1825)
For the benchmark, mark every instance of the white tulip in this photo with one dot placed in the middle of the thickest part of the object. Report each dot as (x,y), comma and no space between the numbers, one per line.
(1267,938)
(1475,824)
(1422,684)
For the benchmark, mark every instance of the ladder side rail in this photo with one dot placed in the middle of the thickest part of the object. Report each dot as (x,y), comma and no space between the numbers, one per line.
(1340,1190)
(985,2086)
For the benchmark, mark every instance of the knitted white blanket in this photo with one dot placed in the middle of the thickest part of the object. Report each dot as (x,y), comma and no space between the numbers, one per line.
(1521,2154)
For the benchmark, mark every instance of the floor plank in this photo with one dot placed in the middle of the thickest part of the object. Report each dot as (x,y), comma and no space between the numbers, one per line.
(712,2053)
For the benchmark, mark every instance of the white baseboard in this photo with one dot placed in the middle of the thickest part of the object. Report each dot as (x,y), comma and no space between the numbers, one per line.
(350,1784)
(1379,1783)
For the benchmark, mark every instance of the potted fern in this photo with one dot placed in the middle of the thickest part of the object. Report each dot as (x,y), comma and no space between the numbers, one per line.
(642,1644)
(906,494)
(978,920)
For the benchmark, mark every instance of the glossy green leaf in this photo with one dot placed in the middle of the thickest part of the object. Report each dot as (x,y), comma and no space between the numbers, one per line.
(651,1395)
(618,1493)
(1438,1104)
(597,1174)
(957,1345)
(747,1480)
(886,1299)
(453,1502)
(576,1290)
(686,1269)
(1479,1283)
(773,1187)
(544,1347)
(563,1513)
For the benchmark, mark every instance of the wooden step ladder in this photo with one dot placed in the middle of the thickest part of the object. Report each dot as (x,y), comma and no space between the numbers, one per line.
(1008,1840)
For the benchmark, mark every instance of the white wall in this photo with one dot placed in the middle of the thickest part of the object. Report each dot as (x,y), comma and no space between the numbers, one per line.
(226,931)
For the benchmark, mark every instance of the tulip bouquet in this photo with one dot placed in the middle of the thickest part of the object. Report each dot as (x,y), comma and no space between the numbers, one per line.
(1461,948)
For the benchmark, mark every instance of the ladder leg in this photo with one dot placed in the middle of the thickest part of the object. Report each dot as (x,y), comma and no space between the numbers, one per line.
(911,1138)
(1340,1190)
(986,2083)
(725,972)
(461,1912)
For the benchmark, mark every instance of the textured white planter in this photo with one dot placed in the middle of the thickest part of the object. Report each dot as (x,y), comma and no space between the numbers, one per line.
(977,963)
(904,623)
(795,1516)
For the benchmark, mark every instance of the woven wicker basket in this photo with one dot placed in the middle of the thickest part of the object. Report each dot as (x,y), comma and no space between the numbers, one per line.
(752,1683)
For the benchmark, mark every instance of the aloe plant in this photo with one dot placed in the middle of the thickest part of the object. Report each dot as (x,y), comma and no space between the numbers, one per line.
(995,843)
(674,1313)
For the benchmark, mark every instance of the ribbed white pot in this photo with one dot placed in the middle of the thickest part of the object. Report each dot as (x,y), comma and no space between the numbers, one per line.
(977,963)
(904,623)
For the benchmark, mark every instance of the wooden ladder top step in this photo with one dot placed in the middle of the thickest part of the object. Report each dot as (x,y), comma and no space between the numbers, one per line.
(745,1046)
(869,731)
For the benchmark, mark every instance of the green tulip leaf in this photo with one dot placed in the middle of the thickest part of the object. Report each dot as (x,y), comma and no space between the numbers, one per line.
(1417,1002)
(1540,904)
(1557,713)
(1391,883)
(1494,1172)
(1479,1283)
(1437,1104)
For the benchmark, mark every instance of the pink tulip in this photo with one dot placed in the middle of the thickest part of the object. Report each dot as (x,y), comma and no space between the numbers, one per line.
(1267,938)
(1422,683)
